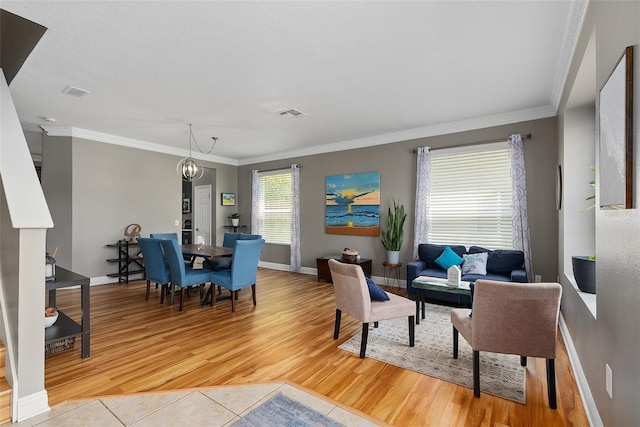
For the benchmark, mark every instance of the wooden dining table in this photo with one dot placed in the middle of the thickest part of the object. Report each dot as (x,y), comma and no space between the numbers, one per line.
(206,251)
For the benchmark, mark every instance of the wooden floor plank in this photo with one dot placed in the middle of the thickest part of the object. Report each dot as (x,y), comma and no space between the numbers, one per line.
(141,346)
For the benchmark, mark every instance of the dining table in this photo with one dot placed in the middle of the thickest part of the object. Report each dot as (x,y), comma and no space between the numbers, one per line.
(207,252)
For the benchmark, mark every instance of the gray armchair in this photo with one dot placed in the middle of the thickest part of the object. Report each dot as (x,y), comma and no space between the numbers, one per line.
(352,296)
(511,318)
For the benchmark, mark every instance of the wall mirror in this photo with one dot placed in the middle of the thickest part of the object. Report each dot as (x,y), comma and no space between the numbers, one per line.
(616,136)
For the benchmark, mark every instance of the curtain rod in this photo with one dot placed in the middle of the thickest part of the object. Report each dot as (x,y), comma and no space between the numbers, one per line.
(279,169)
(491,141)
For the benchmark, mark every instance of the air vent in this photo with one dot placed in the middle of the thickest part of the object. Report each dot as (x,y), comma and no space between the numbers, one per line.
(291,112)
(75,91)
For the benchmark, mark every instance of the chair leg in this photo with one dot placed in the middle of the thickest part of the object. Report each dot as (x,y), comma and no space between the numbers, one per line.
(412,331)
(523,360)
(234,295)
(162,291)
(146,297)
(455,343)
(181,297)
(476,373)
(336,328)
(363,343)
(551,383)
(214,294)
(253,293)
(375,324)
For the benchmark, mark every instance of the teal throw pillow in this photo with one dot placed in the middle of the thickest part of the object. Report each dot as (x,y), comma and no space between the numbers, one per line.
(448,258)
(376,292)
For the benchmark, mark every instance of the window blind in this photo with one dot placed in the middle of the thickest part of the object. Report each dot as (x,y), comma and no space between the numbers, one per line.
(274,212)
(470,201)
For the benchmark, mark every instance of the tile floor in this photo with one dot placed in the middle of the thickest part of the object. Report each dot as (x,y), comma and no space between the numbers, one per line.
(220,406)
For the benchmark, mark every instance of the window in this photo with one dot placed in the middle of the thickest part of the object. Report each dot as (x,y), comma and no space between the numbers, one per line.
(274,206)
(471,197)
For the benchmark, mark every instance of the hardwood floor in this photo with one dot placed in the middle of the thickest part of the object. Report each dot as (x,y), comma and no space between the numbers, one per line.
(139,345)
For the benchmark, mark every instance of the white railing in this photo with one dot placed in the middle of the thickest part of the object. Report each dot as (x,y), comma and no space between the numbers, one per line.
(24,220)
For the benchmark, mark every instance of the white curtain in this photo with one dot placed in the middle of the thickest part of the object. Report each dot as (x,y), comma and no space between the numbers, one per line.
(295,262)
(423,198)
(520,223)
(255,200)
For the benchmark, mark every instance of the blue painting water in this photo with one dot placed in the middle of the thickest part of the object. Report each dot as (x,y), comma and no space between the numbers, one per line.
(360,215)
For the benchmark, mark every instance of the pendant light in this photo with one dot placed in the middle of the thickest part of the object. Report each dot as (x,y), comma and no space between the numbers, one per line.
(189,168)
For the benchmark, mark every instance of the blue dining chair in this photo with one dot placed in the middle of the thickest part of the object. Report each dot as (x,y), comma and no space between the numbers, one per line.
(181,275)
(243,271)
(155,266)
(189,260)
(229,241)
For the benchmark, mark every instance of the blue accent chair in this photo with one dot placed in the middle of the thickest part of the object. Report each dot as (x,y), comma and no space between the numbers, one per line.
(243,271)
(155,266)
(181,275)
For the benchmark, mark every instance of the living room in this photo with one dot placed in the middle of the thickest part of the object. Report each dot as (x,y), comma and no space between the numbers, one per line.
(137,179)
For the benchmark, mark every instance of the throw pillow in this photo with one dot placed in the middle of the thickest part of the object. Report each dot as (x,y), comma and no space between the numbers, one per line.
(376,292)
(448,258)
(475,264)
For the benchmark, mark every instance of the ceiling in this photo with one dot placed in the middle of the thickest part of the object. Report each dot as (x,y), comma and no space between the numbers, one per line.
(362,72)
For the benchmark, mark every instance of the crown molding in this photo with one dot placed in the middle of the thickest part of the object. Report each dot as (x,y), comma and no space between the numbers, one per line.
(575,22)
(409,134)
(74,132)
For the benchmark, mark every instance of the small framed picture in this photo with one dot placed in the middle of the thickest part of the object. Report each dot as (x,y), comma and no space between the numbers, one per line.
(186,205)
(228,199)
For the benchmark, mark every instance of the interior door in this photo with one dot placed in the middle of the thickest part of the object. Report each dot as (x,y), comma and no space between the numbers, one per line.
(202,213)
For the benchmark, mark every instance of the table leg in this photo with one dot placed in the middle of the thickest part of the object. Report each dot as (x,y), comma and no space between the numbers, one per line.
(418,306)
(52,298)
(86,328)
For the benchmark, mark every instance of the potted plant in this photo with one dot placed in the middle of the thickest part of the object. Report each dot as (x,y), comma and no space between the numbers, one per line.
(235,219)
(392,238)
(584,267)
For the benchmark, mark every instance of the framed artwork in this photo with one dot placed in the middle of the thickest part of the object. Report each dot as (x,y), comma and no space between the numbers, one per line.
(228,199)
(186,206)
(615,180)
(352,204)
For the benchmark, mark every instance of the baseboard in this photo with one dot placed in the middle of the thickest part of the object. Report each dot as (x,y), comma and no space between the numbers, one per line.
(32,405)
(581,380)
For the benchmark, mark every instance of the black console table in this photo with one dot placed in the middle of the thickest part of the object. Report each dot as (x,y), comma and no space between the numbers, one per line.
(65,327)
(126,260)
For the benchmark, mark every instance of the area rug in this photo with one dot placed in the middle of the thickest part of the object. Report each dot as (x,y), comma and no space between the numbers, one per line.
(500,375)
(281,410)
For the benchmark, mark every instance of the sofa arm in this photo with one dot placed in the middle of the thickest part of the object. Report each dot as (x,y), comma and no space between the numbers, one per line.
(413,268)
(519,275)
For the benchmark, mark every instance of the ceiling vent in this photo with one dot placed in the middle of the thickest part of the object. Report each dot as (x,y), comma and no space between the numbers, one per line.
(291,112)
(75,91)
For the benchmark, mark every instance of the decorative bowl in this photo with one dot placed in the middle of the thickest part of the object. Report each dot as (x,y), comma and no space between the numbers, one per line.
(49,320)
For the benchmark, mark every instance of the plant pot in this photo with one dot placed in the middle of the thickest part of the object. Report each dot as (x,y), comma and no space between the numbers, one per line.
(584,271)
(235,221)
(393,257)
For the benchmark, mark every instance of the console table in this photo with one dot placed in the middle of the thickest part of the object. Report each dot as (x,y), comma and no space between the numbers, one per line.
(324,273)
(65,327)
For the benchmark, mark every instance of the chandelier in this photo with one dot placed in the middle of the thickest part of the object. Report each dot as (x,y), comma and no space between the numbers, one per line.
(189,168)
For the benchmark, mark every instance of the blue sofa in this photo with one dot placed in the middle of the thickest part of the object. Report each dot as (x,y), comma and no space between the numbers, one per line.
(502,264)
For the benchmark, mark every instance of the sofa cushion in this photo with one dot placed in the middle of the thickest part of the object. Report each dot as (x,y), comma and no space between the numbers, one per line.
(448,258)
(428,252)
(475,263)
(500,260)
(376,292)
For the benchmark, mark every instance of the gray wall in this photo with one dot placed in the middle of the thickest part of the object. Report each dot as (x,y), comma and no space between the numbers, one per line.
(612,336)
(94,190)
(397,166)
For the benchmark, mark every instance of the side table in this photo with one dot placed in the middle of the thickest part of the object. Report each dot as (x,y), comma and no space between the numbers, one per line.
(324,273)
(391,273)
